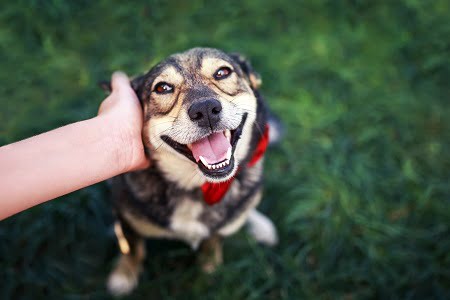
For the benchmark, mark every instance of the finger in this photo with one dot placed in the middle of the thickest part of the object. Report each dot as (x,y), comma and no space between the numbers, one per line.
(144,165)
(119,81)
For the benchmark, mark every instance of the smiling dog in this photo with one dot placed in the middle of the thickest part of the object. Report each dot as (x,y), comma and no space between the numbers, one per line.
(205,130)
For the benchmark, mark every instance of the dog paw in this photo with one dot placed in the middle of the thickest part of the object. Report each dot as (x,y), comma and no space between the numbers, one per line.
(121,284)
(262,229)
(210,255)
(209,267)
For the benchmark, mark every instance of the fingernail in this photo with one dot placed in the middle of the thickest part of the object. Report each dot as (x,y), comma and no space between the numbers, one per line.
(118,79)
(119,75)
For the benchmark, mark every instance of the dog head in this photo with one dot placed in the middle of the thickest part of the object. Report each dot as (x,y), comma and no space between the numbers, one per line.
(199,110)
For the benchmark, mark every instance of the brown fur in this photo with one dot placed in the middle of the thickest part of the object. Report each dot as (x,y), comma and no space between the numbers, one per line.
(165,200)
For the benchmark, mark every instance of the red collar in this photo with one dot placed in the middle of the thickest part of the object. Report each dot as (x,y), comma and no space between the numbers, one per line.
(214,192)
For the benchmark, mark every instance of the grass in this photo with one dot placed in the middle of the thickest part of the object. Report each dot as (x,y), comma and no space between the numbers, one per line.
(359,188)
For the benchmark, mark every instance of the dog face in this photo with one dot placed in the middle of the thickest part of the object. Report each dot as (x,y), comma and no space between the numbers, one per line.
(199,109)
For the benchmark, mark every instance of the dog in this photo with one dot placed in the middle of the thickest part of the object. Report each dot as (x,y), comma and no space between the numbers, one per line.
(206,128)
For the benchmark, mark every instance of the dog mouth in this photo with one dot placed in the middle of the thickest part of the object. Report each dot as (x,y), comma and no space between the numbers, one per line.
(213,154)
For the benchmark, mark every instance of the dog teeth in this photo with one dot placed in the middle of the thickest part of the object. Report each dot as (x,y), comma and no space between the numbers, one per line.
(228,134)
(229,154)
(226,162)
(203,161)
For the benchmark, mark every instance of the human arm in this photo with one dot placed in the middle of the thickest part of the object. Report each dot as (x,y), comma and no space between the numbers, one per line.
(74,156)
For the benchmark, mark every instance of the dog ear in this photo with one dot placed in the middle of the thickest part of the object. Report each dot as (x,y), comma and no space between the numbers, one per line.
(137,83)
(252,76)
(105,86)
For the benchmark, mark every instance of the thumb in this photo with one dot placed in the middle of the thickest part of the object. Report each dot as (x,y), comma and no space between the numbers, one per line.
(120,81)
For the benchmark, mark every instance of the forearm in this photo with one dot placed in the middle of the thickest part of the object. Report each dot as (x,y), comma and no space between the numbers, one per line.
(58,162)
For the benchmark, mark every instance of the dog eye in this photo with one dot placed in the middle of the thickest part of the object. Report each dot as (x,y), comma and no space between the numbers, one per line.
(222,73)
(163,88)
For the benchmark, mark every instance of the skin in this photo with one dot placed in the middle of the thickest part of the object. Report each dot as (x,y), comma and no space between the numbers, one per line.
(77,155)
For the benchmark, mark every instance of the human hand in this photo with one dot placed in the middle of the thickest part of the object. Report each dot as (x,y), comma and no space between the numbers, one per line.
(123,117)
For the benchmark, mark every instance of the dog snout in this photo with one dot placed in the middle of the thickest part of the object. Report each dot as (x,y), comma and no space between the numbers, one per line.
(205,113)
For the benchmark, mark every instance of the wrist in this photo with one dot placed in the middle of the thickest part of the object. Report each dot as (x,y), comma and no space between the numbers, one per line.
(116,143)
(124,143)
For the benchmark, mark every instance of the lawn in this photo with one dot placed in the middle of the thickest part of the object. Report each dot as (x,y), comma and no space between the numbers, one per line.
(359,188)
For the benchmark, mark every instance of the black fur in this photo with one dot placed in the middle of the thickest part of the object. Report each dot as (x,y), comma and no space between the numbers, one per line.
(159,205)
(161,195)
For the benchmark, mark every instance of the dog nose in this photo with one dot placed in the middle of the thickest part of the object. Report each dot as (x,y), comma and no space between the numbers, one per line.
(205,113)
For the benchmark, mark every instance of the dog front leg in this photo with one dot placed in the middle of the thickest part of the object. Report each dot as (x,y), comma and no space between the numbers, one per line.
(124,277)
(262,228)
(210,254)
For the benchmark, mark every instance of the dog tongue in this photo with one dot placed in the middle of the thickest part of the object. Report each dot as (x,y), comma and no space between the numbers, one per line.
(213,148)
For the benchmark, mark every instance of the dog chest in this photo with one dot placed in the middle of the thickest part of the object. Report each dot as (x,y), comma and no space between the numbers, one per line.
(185,222)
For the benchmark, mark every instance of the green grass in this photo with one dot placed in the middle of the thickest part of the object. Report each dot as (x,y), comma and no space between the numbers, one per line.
(359,188)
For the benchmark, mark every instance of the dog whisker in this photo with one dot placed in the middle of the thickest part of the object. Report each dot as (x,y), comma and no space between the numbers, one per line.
(162,123)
